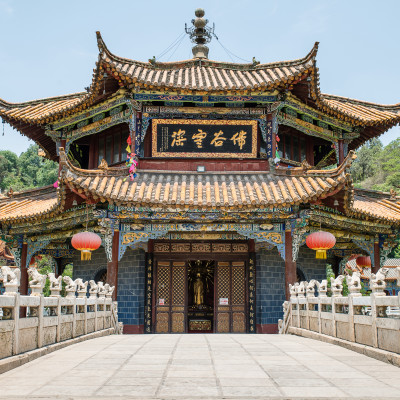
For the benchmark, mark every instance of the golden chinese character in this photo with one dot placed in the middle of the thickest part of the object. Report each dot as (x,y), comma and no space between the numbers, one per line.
(199,137)
(218,139)
(239,139)
(178,138)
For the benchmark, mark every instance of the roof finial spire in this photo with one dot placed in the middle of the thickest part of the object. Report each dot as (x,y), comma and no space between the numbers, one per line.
(200,34)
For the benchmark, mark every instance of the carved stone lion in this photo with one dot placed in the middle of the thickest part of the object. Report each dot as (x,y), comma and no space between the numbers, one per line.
(11,280)
(378,283)
(37,281)
(354,283)
(301,289)
(101,289)
(55,284)
(310,288)
(337,286)
(93,289)
(322,288)
(293,290)
(110,290)
(81,287)
(71,286)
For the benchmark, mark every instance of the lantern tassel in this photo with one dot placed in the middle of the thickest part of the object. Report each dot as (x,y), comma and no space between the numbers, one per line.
(86,255)
(321,254)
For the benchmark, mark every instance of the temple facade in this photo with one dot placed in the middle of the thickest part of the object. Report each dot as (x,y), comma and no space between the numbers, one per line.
(203,179)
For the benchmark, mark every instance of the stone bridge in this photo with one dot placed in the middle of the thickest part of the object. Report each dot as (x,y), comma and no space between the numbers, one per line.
(202,366)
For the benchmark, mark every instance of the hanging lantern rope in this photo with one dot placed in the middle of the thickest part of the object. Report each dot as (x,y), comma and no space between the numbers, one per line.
(86,242)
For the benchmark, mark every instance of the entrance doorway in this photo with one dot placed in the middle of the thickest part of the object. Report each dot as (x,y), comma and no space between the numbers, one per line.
(200,295)
(200,274)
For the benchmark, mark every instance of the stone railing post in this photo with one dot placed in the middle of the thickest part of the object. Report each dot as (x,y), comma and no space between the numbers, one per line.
(40,334)
(373,322)
(16,311)
(85,311)
(58,327)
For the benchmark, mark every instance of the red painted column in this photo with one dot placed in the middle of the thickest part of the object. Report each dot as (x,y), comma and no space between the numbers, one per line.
(23,287)
(341,151)
(290,265)
(112,266)
(377,258)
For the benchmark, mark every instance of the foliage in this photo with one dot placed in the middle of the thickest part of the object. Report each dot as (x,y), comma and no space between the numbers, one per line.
(376,167)
(45,266)
(68,271)
(26,171)
(329,274)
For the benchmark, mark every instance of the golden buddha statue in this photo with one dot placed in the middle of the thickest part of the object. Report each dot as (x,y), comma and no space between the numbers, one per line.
(198,291)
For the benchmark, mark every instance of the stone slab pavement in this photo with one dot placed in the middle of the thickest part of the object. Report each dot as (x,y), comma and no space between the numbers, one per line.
(200,366)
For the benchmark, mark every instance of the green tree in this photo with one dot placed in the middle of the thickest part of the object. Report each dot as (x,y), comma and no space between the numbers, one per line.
(26,171)
(368,160)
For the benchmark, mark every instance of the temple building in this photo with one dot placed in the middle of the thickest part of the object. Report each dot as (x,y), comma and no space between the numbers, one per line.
(203,179)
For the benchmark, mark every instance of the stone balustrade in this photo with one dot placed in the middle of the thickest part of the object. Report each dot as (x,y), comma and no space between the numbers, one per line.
(34,321)
(372,320)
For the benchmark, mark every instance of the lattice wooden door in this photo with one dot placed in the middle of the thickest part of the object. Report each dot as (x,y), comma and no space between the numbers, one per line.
(171,297)
(230,302)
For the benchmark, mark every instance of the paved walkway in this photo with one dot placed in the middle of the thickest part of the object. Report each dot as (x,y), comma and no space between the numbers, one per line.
(202,366)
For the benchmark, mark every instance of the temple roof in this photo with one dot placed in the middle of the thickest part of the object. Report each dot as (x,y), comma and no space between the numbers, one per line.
(202,77)
(185,189)
(31,204)
(284,187)
(206,75)
(375,205)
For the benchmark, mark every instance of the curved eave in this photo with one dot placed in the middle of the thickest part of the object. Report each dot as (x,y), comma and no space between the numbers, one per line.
(374,205)
(228,191)
(31,205)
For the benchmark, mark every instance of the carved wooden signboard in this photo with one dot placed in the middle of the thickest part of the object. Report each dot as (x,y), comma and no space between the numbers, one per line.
(200,138)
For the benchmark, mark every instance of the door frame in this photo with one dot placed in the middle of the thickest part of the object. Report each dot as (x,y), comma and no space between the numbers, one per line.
(188,256)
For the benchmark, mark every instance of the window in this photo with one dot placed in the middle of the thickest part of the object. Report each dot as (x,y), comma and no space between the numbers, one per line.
(292,147)
(112,144)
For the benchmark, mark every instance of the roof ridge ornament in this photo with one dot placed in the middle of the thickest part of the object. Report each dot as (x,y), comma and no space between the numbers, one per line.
(200,34)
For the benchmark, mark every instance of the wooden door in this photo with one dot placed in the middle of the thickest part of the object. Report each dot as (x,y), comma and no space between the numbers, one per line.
(170,297)
(230,301)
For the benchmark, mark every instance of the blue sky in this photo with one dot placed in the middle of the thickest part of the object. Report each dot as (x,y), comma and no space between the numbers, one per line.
(49,47)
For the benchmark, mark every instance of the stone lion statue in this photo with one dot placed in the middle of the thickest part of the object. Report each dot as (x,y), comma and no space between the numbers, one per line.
(377,281)
(37,279)
(101,289)
(337,286)
(55,283)
(93,288)
(110,290)
(301,289)
(354,283)
(71,285)
(322,288)
(310,288)
(11,276)
(293,289)
(80,285)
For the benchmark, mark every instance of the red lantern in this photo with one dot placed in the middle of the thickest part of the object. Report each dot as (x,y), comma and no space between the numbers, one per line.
(86,242)
(363,261)
(320,241)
